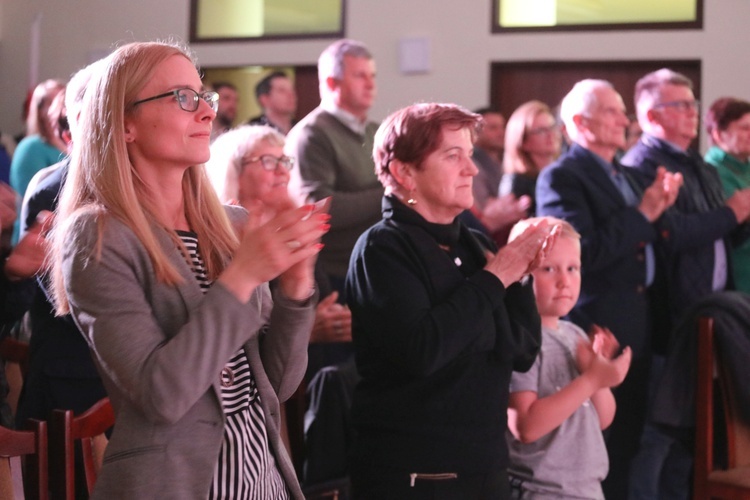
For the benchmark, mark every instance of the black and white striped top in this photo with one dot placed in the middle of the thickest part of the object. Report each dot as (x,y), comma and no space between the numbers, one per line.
(246,468)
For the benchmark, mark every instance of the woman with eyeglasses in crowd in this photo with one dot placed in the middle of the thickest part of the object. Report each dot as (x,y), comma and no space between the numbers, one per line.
(248,167)
(532,142)
(170,289)
(43,146)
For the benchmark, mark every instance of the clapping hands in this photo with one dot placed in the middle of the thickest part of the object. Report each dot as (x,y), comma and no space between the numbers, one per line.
(599,358)
(285,246)
(29,256)
(661,194)
(504,210)
(333,321)
(524,254)
(7,206)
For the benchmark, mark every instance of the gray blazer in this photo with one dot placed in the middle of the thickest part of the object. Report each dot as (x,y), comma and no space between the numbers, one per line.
(160,348)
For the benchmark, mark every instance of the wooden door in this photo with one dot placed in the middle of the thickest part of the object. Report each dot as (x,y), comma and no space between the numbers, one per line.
(512,84)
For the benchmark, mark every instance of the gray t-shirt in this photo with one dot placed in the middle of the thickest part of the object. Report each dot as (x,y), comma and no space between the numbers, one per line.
(571,461)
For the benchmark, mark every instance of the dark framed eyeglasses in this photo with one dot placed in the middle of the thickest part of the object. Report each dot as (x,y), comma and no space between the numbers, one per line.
(271,162)
(683,106)
(188,99)
(552,129)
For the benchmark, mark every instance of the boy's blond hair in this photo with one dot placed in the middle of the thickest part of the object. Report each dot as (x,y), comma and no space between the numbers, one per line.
(567,229)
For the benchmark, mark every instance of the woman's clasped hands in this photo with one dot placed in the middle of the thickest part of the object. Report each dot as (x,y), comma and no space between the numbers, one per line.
(524,253)
(285,246)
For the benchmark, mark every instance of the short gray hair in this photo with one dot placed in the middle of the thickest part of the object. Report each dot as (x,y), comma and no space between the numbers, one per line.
(581,99)
(331,60)
(227,152)
(648,89)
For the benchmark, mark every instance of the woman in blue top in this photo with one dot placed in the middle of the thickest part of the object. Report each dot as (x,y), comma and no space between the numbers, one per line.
(42,145)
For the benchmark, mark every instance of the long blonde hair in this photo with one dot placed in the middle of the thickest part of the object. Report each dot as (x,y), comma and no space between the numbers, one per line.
(102,179)
(515,159)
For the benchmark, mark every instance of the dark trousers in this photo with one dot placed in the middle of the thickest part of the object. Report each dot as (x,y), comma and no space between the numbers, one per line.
(623,435)
(370,482)
(662,468)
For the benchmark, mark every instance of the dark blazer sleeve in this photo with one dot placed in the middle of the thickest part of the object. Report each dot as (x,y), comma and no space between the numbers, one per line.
(579,192)
(682,226)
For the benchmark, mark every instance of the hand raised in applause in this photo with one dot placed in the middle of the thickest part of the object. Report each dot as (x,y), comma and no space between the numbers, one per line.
(524,254)
(597,360)
(661,194)
(603,342)
(29,256)
(739,202)
(7,206)
(333,321)
(275,247)
(505,210)
(298,281)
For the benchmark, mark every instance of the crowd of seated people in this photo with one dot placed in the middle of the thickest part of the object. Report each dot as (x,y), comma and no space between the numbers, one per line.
(199,273)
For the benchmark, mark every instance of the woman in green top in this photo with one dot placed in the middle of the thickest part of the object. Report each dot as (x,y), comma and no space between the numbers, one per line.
(728,125)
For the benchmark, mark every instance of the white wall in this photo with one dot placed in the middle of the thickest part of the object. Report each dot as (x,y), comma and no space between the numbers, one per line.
(462,47)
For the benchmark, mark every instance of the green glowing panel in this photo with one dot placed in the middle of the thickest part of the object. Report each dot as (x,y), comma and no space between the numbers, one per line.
(233,19)
(556,13)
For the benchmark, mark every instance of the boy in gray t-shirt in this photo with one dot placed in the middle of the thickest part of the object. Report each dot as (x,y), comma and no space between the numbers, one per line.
(557,409)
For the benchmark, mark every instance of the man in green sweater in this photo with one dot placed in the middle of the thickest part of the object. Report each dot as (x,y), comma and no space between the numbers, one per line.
(333,149)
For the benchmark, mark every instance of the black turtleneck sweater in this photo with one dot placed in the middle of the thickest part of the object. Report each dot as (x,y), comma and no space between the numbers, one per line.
(436,338)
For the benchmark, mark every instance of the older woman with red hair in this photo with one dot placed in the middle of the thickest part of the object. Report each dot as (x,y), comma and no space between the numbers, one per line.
(439,320)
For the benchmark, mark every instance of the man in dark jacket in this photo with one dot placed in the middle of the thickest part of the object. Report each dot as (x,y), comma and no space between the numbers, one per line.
(587,188)
(691,250)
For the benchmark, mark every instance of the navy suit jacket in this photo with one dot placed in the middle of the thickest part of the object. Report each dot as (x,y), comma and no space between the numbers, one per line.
(687,230)
(613,239)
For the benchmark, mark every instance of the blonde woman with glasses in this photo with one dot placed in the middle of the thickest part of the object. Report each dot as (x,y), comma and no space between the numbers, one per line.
(532,141)
(248,167)
(170,290)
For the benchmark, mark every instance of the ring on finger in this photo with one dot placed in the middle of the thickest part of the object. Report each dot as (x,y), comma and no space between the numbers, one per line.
(293,244)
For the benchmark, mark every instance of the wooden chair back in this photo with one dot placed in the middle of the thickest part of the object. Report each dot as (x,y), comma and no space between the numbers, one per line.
(337,489)
(30,483)
(15,353)
(88,429)
(710,482)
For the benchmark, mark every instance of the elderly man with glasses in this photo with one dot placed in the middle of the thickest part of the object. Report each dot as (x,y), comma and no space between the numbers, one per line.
(617,222)
(693,250)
